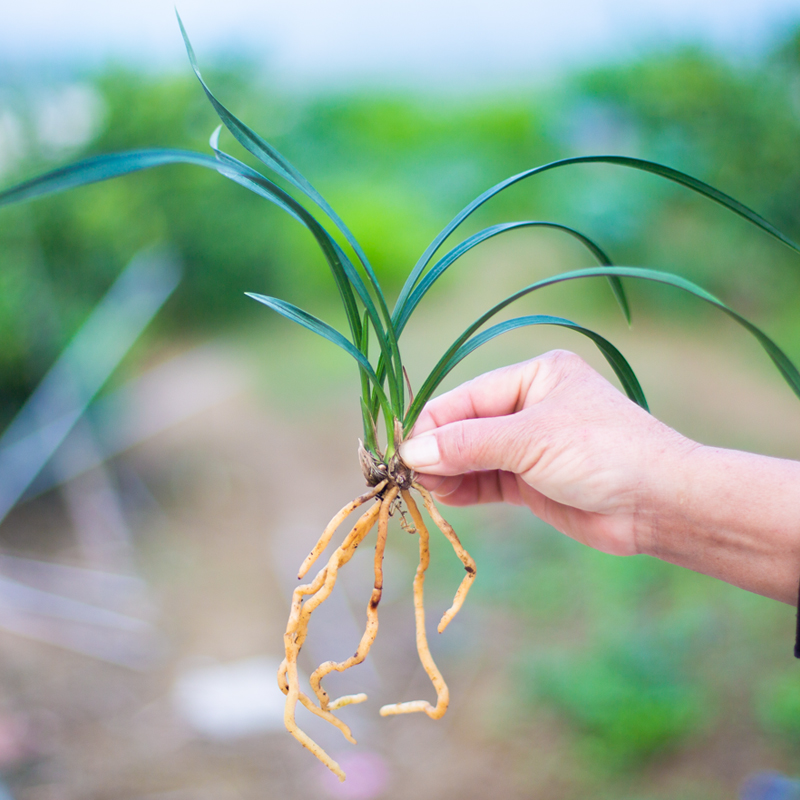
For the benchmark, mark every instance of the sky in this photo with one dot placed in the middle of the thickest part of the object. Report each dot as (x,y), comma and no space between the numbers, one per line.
(416,41)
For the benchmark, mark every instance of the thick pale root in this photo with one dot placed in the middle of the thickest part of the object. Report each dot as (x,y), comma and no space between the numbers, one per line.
(291,725)
(297,630)
(412,707)
(328,716)
(466,559)
(338,519)
(371,630)
(308,597)
(346,700)
(341,556)
(425,657)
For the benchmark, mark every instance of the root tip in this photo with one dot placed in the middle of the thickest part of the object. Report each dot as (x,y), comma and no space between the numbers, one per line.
(347,700)
(409,707)
(446,619)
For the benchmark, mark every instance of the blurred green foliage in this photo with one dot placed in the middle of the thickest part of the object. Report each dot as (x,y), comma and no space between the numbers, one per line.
(737,126)
(397,165)
(58,257)
(636,668)
(778,706)
(629,699)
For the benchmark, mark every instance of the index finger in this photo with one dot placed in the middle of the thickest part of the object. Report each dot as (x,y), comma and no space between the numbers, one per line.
(498,393)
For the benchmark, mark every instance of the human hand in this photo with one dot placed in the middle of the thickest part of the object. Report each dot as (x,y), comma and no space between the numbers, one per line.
(552,434)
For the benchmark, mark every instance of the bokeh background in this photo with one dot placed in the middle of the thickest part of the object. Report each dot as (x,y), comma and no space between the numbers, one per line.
(146,568)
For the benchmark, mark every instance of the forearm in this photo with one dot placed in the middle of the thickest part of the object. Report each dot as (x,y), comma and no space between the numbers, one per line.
(732,515)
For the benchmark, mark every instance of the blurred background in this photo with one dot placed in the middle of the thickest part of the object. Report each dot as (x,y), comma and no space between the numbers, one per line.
(171,450)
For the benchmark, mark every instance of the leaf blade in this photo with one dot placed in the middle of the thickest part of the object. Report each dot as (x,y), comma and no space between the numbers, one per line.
(403,310)
(643,165)
(316,325)
(99,168)
(787,369)
(618,362)
(268,155)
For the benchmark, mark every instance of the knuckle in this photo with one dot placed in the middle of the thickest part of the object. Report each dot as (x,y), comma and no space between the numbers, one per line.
(565,367)
(511,445)
(567,360)
(460,445)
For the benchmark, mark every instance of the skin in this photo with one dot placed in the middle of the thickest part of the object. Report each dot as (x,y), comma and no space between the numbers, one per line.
(554,435)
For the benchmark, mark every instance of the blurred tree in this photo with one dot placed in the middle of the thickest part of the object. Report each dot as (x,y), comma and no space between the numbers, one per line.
(71,247)
(396,165)
(737,126)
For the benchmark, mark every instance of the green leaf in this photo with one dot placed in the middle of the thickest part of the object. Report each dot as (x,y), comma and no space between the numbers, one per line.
(321,328)
(100,168)
(779,358)
(404,309)
(367,412)
(268,155)
(370,428)
(264,151)
(623,161)
(622,369)
(105,167)
(343,269)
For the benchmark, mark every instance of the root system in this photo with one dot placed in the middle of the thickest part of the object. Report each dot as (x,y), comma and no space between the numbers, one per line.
(392,492)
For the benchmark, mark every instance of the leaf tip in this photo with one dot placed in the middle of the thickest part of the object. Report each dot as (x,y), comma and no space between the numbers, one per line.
(187,43)
(213,140)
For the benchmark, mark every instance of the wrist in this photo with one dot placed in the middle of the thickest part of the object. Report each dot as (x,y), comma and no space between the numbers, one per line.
(728,514)
(664,489)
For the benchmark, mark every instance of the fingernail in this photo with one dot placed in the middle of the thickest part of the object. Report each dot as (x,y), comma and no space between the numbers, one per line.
(420,452)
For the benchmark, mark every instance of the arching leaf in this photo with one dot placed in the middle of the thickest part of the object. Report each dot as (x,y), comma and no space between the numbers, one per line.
(622,369)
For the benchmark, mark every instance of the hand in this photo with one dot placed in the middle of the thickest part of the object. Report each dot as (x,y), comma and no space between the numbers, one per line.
(552,434)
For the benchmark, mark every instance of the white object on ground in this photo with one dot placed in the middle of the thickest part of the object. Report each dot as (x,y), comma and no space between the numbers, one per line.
(230,701)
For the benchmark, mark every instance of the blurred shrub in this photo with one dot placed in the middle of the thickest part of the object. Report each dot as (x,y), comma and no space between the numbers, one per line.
(629,700)
(777,703)
(396,165)
(736,126)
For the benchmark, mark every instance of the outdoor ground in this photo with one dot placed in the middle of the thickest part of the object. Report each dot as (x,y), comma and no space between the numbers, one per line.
(223,506)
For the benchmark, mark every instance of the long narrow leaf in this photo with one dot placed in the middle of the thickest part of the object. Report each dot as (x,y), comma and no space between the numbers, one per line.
(344,272)
(624,161)
(340,264)
(321,328)
(100,168)
(368,415)
(105,167)
(264,151)
(779,358)
(622,369)
(403,311)
(268,155)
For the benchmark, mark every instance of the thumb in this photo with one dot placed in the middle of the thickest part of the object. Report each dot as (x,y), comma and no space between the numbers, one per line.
(468,446)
